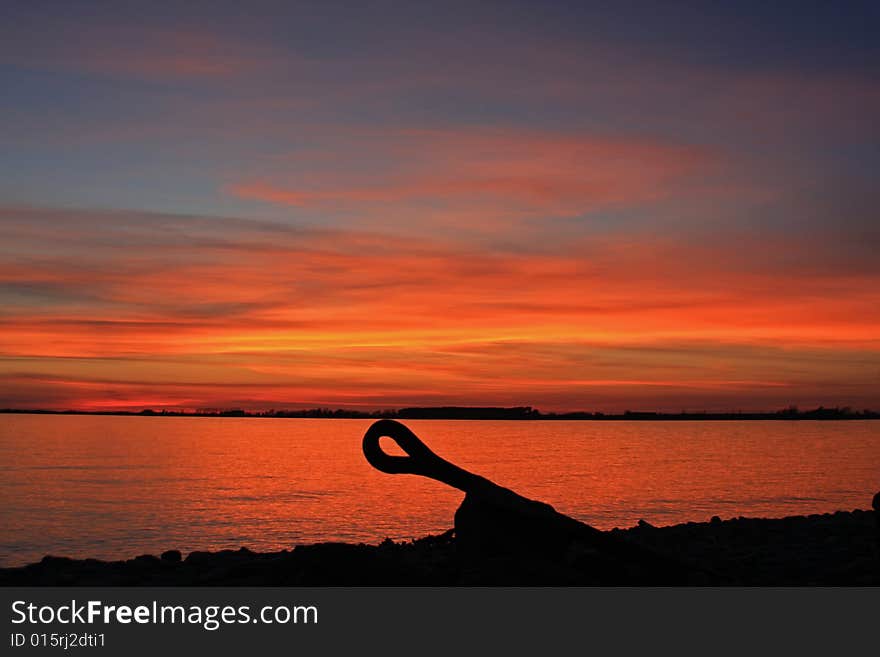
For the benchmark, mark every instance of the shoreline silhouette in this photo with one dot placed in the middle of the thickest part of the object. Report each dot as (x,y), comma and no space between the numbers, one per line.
(831,549)
(523,413)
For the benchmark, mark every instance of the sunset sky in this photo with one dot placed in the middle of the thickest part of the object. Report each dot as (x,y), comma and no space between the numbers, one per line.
(659,206)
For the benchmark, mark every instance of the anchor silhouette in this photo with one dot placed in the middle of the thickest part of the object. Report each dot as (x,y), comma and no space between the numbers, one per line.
(493,520)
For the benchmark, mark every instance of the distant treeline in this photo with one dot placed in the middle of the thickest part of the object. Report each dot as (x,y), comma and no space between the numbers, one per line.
(491,413)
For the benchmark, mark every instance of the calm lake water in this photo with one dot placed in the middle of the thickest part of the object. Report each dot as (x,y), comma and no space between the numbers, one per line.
(116,487)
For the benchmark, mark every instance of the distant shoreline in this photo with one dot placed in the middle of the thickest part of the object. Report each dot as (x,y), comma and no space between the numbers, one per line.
(519,413)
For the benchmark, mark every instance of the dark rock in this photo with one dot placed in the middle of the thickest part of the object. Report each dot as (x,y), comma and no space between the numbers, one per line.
(172,556)
(830,550)
(199,556)
(146,560)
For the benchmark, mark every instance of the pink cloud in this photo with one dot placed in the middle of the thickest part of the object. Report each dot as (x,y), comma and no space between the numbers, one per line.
(465,174)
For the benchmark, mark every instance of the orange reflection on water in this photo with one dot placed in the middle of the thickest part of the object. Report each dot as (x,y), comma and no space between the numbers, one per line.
(115,487)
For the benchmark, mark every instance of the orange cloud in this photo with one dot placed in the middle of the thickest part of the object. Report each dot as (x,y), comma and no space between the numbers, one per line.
(219,313)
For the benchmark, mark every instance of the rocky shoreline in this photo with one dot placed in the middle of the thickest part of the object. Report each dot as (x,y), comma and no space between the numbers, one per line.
(836,549)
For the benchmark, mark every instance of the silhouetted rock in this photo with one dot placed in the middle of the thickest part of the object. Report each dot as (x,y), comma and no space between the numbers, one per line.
(793,551)
(172,556)
(875,504)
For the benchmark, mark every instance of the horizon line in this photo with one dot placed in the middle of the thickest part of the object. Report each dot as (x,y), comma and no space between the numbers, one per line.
(469,412)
